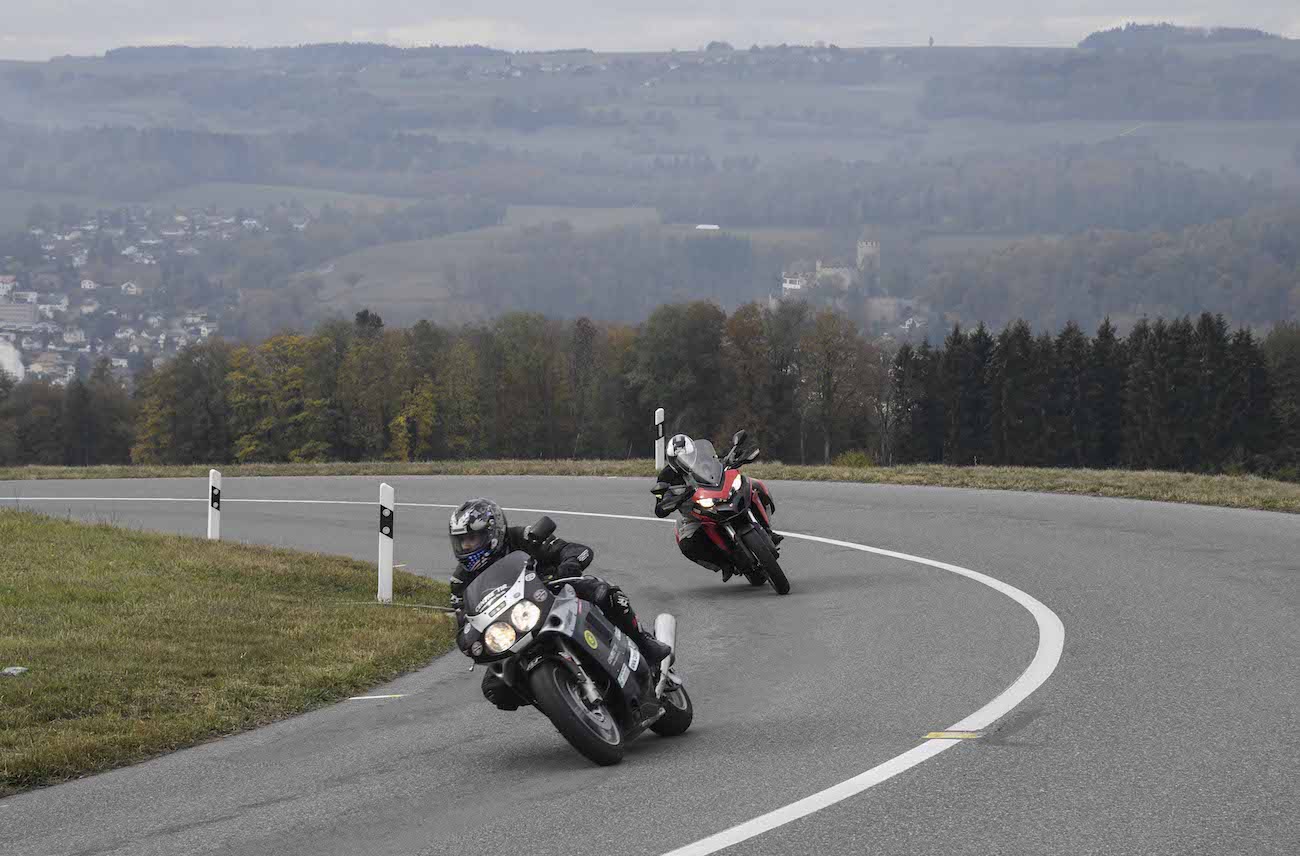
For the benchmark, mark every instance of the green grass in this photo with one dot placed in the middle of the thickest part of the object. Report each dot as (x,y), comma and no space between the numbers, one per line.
(1218,490)
(139,644)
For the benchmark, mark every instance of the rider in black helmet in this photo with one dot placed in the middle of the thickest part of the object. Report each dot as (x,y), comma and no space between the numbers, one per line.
(480,536)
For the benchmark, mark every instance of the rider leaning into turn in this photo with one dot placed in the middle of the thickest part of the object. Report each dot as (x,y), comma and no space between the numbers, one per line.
(480,536)
(692,540)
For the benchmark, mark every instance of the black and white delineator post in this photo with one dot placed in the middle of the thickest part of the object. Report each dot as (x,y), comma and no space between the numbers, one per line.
(659,439)
(387,531)
(214,505)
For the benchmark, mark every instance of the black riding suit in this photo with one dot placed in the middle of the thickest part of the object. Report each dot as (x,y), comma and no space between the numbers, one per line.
(558,559)
(692,540)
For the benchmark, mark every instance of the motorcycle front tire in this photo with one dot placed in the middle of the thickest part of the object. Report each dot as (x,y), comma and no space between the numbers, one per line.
(757,542)
(593,733)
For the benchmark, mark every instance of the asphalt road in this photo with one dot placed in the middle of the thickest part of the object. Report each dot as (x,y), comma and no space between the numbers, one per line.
(1168,726)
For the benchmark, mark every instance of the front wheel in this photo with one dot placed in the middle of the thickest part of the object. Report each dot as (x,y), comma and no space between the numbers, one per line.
(757,542)
(594,733)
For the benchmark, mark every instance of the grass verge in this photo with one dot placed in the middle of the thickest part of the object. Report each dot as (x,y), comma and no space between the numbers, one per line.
(139,644)
(1219,490)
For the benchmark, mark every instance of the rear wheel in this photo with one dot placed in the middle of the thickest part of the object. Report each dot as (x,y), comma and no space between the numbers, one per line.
(760,545)
(678,713)
(594,733)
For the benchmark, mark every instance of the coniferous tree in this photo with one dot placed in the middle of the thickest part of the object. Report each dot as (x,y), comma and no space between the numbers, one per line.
(1178,398)
(1073,435)
(1140,395)
(1043,390)
(1251,425)
(1212,406)
(1282,350)
(1014,413)
(1107,376)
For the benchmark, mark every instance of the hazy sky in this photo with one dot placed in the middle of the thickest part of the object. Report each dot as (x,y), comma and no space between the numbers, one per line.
(38,29)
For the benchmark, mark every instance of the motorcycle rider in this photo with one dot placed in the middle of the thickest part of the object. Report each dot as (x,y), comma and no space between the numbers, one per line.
(692,540)
(480,536)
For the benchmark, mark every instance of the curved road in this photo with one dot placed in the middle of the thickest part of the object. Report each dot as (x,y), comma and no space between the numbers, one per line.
(1168,726)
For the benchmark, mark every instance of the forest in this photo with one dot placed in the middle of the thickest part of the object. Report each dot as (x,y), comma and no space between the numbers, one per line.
(1182,394)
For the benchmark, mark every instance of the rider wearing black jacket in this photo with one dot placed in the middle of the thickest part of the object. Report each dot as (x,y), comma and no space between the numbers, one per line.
(671,492)
(480,536)
(692,540)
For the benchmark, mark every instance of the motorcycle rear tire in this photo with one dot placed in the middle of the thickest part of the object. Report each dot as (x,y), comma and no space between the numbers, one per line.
(757,542)
(556,694)
(678,713)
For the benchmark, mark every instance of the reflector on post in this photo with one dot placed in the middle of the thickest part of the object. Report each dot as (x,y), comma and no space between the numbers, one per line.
(659,440)
(387,533)
(214,505)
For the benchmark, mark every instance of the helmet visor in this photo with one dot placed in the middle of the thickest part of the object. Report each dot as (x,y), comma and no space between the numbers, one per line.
(469,542)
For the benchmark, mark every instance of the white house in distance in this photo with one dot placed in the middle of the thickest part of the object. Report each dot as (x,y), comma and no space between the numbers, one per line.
(792,282)
(25,296)
(89,285)
(7,285)
(131,289)
(74,336)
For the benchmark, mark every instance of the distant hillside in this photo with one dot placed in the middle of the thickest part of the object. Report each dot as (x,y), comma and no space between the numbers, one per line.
(1133,35)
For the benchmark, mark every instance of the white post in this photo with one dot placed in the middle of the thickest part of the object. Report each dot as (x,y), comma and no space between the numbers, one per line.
(214,505)
(659,439)
(387,532)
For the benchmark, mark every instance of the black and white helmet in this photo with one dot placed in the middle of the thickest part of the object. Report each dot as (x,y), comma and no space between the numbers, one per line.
(677,445)
(478,533)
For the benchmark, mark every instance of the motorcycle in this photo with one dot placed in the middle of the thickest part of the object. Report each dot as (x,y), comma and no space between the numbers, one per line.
(560,654)
(734,510)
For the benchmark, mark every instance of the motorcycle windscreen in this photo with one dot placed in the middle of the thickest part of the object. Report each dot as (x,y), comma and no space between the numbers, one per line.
(498,577)
(702,463)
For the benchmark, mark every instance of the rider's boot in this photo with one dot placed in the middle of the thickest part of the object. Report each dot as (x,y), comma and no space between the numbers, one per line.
(624,618)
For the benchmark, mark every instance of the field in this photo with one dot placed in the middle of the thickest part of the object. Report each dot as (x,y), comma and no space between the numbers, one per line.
(1226,491)
(138,644)
(412,278)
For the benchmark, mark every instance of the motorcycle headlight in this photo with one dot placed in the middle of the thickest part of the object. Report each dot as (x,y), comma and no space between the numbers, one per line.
(499,637)
(707,502)
(524,616)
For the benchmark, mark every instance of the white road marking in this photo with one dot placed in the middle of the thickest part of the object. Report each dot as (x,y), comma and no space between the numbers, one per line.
(1051,641)
(374,697)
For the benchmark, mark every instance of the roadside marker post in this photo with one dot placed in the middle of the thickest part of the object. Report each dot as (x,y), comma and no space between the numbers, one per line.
(214,505)
(387,532)
(659,440)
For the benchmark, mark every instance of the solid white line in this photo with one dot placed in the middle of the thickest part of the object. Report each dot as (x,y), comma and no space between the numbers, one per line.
(1051,641)
(374,697)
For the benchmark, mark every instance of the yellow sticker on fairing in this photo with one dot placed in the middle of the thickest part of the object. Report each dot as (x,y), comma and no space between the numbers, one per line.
(591,638)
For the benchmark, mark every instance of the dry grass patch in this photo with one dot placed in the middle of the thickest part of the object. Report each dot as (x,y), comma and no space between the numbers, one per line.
(139,644)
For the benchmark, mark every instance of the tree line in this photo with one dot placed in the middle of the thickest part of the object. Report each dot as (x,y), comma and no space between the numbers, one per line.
(1182,394)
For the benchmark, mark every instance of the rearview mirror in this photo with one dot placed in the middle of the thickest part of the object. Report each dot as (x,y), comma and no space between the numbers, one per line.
(751,457)
(541,530)
(738,438)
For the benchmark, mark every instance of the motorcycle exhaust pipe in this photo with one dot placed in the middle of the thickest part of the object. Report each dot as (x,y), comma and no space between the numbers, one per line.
(666,632)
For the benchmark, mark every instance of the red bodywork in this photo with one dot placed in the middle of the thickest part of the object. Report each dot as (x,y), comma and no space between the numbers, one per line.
(760,498)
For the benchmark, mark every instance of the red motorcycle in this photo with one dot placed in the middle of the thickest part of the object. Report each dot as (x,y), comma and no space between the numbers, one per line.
(733,510)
